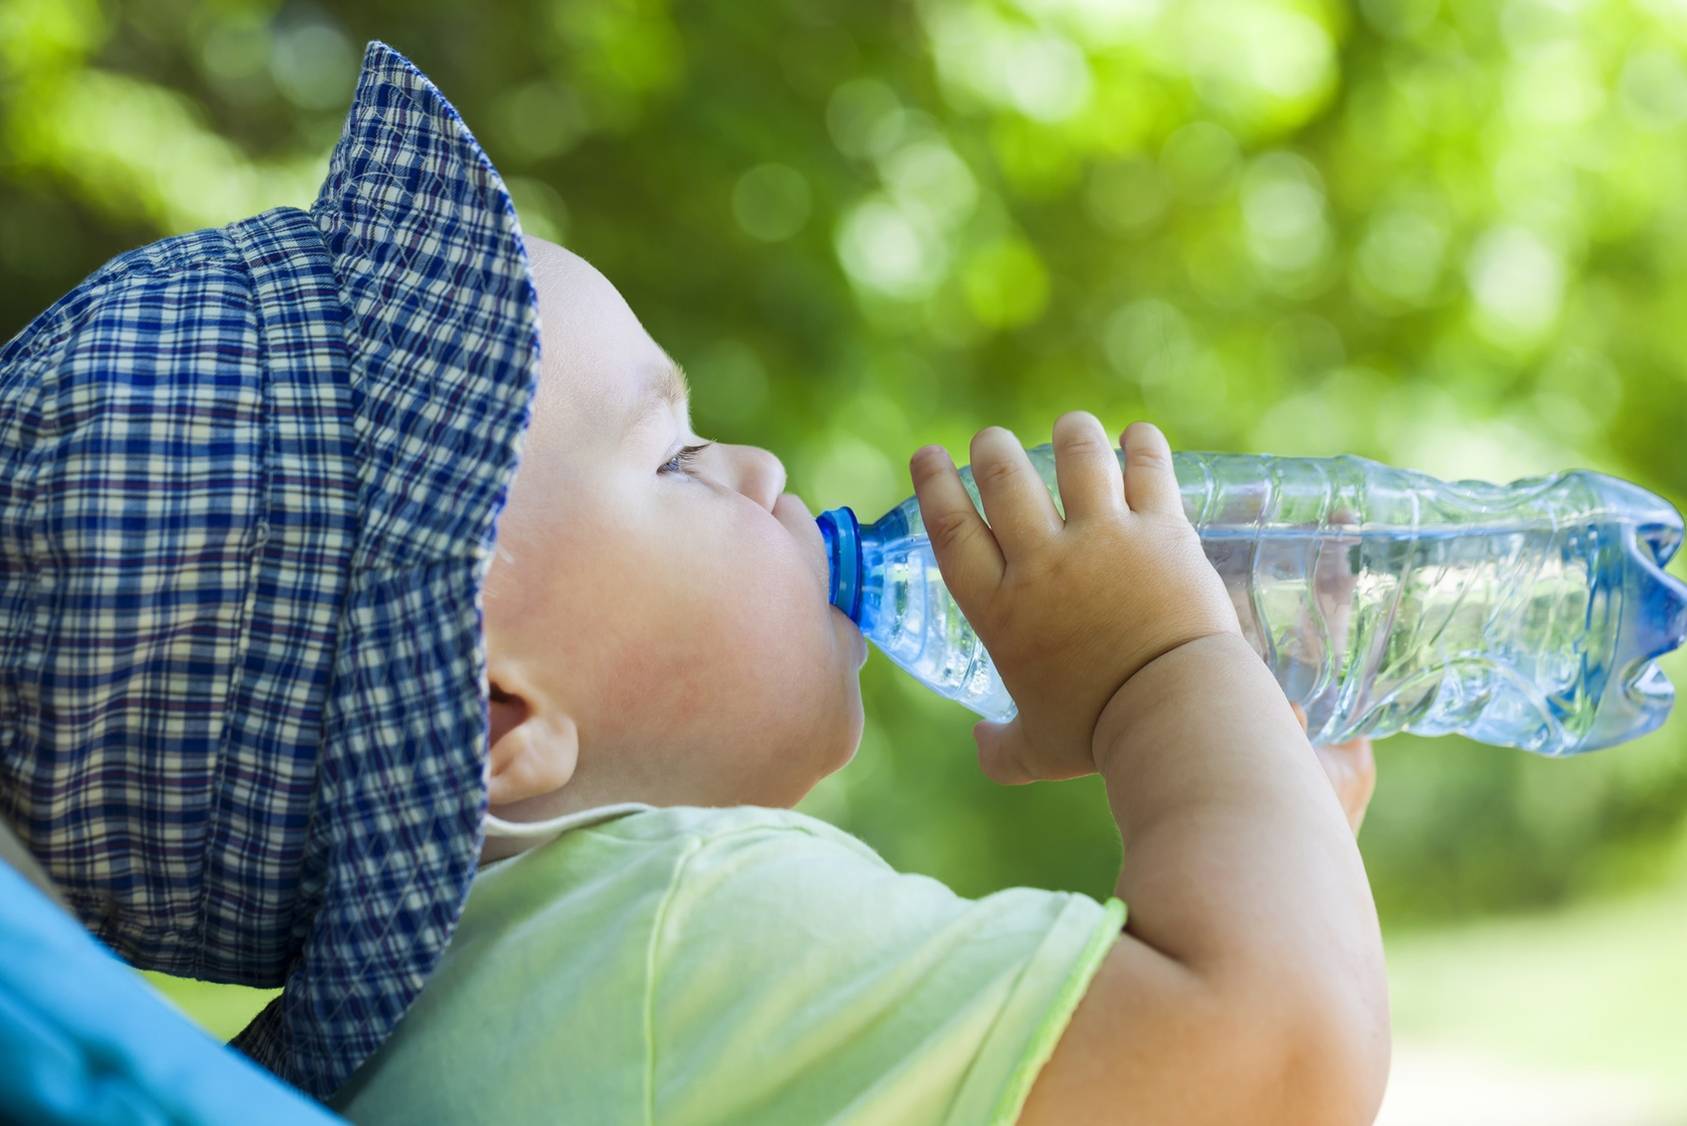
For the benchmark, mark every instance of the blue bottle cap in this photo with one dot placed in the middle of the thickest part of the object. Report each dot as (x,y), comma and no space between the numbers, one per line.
(842,533)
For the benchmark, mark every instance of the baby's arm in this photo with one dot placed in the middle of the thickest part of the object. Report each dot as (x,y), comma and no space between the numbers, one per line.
(1248,985)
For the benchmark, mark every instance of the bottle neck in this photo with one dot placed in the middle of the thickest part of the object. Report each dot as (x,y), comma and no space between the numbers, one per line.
(842,533)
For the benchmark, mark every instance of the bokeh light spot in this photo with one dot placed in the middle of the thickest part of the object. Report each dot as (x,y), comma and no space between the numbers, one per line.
(1202,160)
(1126,197)
(881,247)
(1283,207)
(854,110)
(539,120)
(540,208)
(1517,280)
(927,177)
(1400,255)
(313,64)
(771,202)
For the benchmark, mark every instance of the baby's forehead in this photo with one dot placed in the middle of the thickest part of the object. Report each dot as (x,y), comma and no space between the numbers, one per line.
(573,294)
(594,352)
(547,257)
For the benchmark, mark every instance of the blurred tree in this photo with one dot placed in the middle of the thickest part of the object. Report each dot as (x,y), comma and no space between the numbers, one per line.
(1443,236)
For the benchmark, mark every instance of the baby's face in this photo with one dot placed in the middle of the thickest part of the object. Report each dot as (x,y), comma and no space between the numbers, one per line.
(675,611)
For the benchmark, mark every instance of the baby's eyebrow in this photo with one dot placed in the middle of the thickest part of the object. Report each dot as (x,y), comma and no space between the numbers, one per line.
(668,386)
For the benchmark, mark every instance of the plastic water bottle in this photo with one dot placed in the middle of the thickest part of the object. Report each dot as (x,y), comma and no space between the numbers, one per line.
(1525,615)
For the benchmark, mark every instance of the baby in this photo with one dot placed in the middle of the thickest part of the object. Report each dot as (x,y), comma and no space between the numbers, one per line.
(281,661)
(666,674)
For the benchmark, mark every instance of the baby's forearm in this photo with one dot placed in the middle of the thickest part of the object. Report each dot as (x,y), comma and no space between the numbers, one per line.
(1238,861)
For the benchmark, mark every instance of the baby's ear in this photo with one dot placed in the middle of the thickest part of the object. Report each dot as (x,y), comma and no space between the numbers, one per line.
(534,750)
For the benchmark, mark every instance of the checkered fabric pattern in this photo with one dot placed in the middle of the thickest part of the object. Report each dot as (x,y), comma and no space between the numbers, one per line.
(249,480)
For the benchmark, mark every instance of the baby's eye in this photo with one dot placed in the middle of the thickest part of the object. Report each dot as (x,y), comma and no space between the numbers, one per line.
(683,459)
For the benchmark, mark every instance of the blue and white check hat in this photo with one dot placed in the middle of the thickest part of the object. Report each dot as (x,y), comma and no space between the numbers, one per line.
(249,482)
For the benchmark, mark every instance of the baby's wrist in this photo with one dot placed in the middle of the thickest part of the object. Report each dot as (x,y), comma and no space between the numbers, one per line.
(1165,681)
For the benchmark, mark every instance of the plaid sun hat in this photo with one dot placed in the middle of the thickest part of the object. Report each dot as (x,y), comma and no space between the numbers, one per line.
(249,482)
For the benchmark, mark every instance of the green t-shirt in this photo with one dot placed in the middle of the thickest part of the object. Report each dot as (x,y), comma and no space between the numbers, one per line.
(742,965)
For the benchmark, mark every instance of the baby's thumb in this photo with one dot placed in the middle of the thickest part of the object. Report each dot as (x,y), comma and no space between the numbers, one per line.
(1003,753)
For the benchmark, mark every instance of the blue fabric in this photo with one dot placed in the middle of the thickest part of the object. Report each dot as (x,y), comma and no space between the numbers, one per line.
(84,1040)
(249,479)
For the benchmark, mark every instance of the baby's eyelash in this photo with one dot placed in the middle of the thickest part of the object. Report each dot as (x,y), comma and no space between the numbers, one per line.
(684,458)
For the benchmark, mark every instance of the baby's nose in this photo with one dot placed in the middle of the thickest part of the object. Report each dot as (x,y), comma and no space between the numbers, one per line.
(761,475)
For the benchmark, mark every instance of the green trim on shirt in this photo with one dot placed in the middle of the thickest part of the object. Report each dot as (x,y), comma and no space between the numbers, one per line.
(1059,1014)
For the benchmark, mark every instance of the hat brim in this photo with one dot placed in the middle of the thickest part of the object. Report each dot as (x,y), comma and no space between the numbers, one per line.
(442,330)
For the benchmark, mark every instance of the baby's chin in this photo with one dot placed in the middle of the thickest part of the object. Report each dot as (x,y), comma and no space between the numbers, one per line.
(852,649)
(853,639)
(853,725)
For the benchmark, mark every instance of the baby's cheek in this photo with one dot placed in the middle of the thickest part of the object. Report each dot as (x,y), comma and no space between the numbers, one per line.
(763,606)
(739,613)
(644,695)
(669,660)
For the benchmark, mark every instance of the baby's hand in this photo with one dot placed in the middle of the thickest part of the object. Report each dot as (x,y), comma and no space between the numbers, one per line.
(1068,609)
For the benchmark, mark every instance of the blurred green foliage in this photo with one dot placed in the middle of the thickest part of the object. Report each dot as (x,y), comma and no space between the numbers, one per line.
(1445,236)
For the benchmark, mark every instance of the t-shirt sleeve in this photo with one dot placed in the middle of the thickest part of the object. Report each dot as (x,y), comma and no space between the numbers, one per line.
(796,977)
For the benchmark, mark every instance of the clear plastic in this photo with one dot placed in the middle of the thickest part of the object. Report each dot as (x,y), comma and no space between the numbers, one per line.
(1526,615)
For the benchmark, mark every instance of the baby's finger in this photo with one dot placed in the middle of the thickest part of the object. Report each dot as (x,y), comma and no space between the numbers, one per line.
(1150,483)
(1016,502)
(1092,483)
(1340,773)
(966,552)
(1300,713)
(1352,770)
